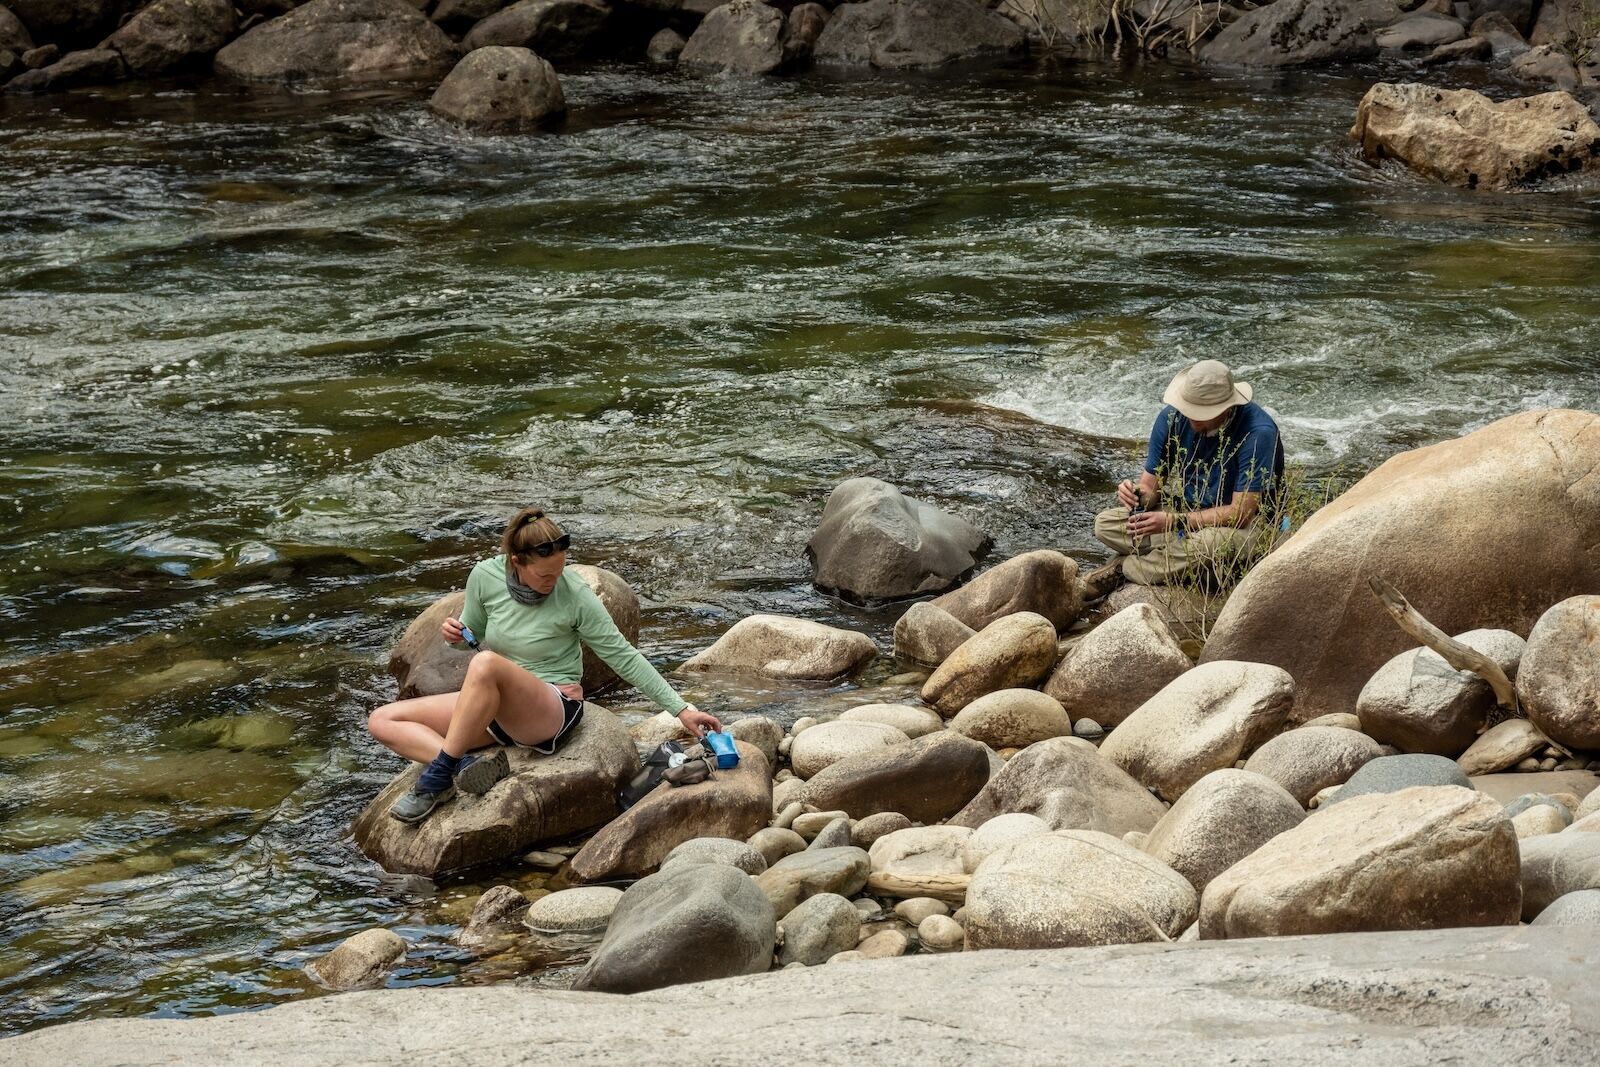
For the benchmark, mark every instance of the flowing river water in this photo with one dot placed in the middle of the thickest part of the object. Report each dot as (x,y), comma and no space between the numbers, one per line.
(276,368)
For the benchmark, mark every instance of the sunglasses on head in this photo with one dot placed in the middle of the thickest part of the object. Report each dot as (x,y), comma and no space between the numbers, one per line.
(550,548)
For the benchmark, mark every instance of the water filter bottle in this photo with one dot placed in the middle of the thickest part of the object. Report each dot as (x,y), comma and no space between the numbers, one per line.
(721,746)
(469,637)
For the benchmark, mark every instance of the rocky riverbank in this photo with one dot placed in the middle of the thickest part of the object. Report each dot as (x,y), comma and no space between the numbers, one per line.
(1407,999)
(496,63)
(1060,785)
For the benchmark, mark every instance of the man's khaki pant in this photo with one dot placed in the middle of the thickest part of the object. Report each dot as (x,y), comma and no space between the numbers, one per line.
(1160,558)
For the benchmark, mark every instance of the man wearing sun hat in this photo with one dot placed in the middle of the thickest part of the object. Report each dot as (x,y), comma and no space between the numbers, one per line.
(1214,460)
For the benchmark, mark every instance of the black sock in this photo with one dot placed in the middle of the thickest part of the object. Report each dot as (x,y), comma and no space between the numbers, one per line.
(437,775)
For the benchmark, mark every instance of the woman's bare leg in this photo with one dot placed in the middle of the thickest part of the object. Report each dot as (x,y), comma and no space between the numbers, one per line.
(497,689)
(416,728)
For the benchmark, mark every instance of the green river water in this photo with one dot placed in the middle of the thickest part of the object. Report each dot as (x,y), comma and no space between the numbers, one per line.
(277,367)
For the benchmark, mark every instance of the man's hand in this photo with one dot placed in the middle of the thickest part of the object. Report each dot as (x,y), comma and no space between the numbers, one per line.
(698,722)
(450,630)
(1128,495)
(1150,523)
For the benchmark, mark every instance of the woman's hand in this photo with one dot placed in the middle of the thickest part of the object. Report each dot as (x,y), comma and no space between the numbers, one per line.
(1150,523)
(451,631)
(698,722)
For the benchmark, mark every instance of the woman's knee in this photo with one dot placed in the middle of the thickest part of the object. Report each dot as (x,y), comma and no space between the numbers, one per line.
(382,720)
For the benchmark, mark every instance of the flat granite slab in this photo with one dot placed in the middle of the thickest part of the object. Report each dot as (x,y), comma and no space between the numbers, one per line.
(1500,995)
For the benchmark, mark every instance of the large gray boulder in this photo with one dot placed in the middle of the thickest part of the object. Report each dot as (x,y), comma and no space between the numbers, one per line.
(1069,785)
(875,543)
(558,30)
(169,34)
(827,743)
(546,797)
(691,923)
(744,36)
(732,804)
(340,40)
(1422,858)
(1118,666)
(1010,653)
(1072,888)
(1439,521)
(1558,684)
(1292,33)
(778,646)
(424,665)
(1043,582)
(1310,759)
(1419,703)
(1202,721)
(1220,820)
(927,780)
(500,90)
(896,34)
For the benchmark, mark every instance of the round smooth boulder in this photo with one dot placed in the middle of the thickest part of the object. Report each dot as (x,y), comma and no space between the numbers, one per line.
(875,543)
(1071,888)
(926,780)
(1012,652)
(1558,682)
(742,36)
(1554,865)
(1069,785)
(169,34)
(997,833)
(912,721)
(1203,720)
(1502,746)
(1518,489)
(1012,718)
(1220,820)
(1420,859)
(777,646)
(577,910)
(1390,774)
(831,742)
(1042,582)
(1118,666)
(339,40)
(361,960)
(746,857)
(817,928)
(1581,908)
(927,635)
(1419,703)
(500,90)
(693,923)
(1308,760)
(775,842)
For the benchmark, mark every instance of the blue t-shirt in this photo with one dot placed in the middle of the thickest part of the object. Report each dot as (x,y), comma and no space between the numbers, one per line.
(1244,456)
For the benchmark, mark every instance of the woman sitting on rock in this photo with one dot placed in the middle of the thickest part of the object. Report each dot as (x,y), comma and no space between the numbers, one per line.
(529,616)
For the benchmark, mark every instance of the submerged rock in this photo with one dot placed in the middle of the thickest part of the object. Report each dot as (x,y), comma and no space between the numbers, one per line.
(1519,489)
(875,543)
(360,960)
(692,923)
(546,797)
(895,34)
(501,90)
(340,40)
(1464,138)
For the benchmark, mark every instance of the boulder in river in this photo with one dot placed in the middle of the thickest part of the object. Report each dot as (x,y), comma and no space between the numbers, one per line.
(545,797)
(1447,518)
(1545,65)
(500,90)
(1043,582)
(928,779)
(665,47)
(1118,666)
(733,804)
(169,34)
(1069,785)
(14,36)
(558,30)
(896,34)
(743,36)
(778,646)
(1202,721)
(70,23)
(1220,820)
(1292,33)
(691,923)
(360,960)
(1420,31)
(1462,137)
(1424,858)
(1072,888)
(875,543)
(340,40)
(424,665)
(1419,703)
(1014,651)
(1558,683)
(96,66)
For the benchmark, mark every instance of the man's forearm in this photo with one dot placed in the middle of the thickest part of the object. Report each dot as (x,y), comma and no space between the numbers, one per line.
(1237,513)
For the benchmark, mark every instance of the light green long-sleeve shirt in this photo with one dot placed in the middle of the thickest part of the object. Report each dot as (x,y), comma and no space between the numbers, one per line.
(545,638)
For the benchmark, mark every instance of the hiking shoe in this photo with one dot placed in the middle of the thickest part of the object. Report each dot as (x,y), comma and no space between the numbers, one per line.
(417,805)
(478,774)
(1102,581)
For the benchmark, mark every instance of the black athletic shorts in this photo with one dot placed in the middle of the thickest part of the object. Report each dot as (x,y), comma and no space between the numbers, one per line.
(571,716)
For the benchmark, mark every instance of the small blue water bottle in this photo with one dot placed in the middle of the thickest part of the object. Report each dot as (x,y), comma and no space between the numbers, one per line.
(721,746)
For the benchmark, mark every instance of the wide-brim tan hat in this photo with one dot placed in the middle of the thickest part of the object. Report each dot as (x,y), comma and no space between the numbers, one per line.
(1206,390)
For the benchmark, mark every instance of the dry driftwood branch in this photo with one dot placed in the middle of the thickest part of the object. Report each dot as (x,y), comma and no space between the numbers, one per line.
(951,888)
(1454,652)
